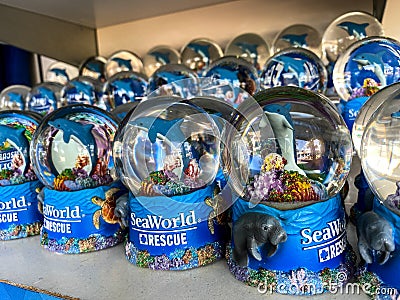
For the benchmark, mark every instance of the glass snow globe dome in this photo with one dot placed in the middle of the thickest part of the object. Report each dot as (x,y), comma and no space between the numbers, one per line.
(367,110)
(169,147)
(288,145)
(347,29)
(379,152)
(72,148)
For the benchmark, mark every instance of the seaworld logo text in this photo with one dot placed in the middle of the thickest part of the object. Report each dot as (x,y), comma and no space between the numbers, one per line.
(159,222)
(329,241)
(65,213)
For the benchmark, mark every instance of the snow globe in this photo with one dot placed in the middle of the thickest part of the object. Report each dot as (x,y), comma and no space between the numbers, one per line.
(173,79)
(60,72)
(71,154)
(19,184)
(378,227)
(363,69)
(287,157)
(159,56)
(168,156)
(13,97)
(241,74)
(123,60)
(250,46)
(44,97)
(124,87)
(199,53)
(298,35)
(94,67)
(295,67)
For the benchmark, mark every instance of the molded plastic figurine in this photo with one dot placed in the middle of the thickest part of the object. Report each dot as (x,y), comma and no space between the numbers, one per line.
(253,230)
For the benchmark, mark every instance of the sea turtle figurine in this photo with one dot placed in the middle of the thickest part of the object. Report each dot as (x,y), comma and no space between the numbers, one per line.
(107,208)
(216,213)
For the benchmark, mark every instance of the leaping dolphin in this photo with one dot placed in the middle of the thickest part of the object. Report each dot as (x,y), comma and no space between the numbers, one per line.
(83,132)
(358,30)
(283,132)
(298,40)
(60,72)
(161,57)
(375,60)
(250,49)
(123,62)
(203,50)
(163,127)
(18,139)
(16,98)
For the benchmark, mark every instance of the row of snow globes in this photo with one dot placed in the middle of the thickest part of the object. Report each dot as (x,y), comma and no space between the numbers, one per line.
(268,163)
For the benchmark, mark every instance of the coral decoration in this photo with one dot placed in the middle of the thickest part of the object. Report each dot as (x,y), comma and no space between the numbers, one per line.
(274,184)
(59,183)
(370,87)
(81,161)
(171,162)
(193,170)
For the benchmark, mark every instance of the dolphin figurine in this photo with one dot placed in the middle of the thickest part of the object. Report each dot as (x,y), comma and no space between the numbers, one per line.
(124,90)
(60,72)
(82,132)
(250,49)
(161,57)
(298,40)
(358,30)
(163,127)
(82,87)
(291,64)
(396,115)
(17,137)
(203,50)
(283,132)
(123,62)
(15,98)
(374,59)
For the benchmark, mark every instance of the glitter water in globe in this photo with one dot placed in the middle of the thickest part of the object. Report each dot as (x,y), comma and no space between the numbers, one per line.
(368,109)
(78,91)
(60,72)
(347,29)
(290,146)
(159,56)
(298,35)
(44,97)
(295,67)
(250,46)
(169,147)
(241,74)
(199,53)
(94,67)
(14,97)
(173,79)
(16,131)
(124,87)
(379,150)
(72,148)
(123,60)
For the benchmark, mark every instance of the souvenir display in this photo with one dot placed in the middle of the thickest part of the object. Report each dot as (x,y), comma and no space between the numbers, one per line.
(347,29)
(287,157)
(94,67)
(295,67)
(168,157)
(123,60)
(71,153)
(241,75)
(363,69)
(298,35)
(19,214)
(159,56)
(378,227)
(124,87)
(44,97)
(173,79)
(250,46)
(199,53)
(60,72)
(13,97)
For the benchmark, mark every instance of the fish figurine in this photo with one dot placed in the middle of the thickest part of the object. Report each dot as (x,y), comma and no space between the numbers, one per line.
(83,132)
(16,136)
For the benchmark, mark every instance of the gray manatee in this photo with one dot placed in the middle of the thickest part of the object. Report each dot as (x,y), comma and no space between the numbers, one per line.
(122,209)
(375,236)
(253,230)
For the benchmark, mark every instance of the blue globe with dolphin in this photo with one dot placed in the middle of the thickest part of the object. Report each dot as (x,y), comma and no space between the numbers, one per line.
(72,148)
(169,147)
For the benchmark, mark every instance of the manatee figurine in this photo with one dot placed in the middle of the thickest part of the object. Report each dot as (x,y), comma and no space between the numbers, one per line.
(122,209)
(251,231)
(375,237)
